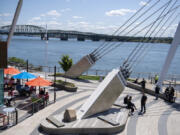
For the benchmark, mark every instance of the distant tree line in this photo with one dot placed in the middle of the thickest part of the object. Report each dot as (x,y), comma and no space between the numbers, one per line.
(146,39)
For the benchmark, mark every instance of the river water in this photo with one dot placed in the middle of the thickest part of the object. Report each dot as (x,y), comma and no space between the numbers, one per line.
(34,50)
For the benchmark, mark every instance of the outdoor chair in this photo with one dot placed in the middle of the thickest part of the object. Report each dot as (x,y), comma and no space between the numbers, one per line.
(3,120)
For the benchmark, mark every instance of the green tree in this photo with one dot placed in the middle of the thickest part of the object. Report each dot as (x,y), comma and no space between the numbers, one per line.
(66,63)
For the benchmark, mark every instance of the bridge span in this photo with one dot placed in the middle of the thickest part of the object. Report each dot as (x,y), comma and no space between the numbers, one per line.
(32,30)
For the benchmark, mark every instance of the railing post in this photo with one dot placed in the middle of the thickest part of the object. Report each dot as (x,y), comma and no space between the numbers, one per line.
(16,116)
(54,84)
(32,108)
(43,102)
(38,106)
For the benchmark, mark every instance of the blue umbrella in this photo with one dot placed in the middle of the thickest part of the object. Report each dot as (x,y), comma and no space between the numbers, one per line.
(24,75)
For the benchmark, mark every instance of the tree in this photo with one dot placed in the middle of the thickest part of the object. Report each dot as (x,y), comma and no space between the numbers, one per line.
(66,63)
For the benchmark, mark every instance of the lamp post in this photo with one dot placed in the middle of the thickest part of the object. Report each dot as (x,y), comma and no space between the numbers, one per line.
(46,53)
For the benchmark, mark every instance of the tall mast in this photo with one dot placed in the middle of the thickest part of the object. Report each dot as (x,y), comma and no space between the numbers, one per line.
(170,56)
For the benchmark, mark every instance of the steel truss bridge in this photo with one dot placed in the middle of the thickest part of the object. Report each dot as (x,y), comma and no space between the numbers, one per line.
(32,30)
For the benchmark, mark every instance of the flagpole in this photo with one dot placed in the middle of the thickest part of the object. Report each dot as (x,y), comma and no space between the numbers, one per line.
(46,53)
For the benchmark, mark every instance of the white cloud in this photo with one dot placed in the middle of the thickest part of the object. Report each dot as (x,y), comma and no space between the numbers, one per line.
(3,23)
(142,3)
(77,17)
(36,18)
(53,13)
(42,15)
(65,10)
(5,14)
(119,12)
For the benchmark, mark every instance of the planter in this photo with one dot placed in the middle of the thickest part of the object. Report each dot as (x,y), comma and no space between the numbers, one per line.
(67,88)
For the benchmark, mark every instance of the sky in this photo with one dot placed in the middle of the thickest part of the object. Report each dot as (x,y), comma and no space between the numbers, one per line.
(99,16)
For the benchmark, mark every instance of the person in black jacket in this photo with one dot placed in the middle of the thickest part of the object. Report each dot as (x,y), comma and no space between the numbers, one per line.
(157,89)
(126,99)
(143,83)
(131,105)
(143,103)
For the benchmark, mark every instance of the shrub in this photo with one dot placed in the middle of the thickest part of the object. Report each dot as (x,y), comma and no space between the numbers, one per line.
(66,63)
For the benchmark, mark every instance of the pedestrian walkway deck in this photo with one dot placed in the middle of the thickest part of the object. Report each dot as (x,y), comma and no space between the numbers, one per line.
(161,118)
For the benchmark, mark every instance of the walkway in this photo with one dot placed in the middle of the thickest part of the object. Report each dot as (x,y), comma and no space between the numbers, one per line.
(161,118)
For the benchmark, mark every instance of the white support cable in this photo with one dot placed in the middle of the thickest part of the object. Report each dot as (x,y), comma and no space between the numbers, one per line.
(141,49)
(149,47)
(115,46)
(126,22)
(138,47)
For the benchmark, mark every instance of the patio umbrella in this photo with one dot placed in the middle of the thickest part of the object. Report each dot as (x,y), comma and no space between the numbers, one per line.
(39,82)
(11,71)
(24,75)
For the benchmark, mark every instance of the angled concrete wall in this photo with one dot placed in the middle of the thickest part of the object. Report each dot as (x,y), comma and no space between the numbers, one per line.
(104,96)
(80,67)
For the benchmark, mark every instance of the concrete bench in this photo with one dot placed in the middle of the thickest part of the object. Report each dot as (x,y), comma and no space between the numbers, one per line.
(108,120)
(54,121)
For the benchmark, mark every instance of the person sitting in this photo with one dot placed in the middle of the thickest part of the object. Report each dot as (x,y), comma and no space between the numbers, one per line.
(171,95)
(136,81)
(5,82)
(10,93)
(126,99)
(27,90)
(41,92)
(46,97)
(32,88)
(167,93)
(131,105)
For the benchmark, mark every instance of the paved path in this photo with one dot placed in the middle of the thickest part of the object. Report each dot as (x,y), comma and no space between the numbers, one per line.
(161,118)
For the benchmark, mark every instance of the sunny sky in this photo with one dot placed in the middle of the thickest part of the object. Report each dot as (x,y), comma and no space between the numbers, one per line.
(100,16)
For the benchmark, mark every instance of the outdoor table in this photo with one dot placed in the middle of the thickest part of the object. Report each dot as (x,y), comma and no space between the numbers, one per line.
(10,112)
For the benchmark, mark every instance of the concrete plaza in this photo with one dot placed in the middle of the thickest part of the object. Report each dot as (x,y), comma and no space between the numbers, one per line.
(161,118)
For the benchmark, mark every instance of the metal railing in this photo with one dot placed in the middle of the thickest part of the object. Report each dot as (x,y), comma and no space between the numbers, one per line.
(99,72)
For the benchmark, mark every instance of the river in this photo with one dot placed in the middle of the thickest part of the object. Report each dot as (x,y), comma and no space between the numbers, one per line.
(33,49)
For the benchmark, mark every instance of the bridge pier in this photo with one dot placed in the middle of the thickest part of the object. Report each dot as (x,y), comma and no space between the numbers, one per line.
(80,38)
(64,37)
(95,38)
(42,36)
(108,39)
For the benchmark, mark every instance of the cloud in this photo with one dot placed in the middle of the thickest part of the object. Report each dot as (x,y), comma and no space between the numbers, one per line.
(142,3)
(65,10)
(77,17)
(36,18)
(5,14)
(119,12)
(3,23)
(53,13)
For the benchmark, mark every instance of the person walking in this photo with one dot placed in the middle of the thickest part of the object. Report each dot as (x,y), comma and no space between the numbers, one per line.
(143,84)
(157,89)
(143,103)
(156,78)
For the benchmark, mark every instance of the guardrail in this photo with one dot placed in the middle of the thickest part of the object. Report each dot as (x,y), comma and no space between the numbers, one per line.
(99,72)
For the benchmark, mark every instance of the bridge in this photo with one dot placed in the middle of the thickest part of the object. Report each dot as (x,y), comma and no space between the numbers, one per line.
(32,30)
